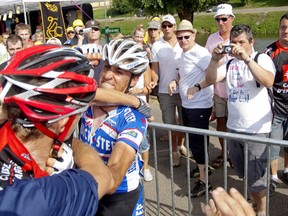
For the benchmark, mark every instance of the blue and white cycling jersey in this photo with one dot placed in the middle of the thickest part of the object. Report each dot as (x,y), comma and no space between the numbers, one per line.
(122,124)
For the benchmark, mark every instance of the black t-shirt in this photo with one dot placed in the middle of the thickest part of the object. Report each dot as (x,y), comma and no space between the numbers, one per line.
(279,55)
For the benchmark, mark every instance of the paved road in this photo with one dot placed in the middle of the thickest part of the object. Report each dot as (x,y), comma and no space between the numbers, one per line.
(278,202)
(235,11)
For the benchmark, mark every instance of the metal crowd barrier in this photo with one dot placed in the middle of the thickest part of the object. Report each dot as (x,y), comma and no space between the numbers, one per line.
(153,127)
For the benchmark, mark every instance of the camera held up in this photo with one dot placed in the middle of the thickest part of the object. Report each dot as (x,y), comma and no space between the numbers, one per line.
(226,49)
(83,31)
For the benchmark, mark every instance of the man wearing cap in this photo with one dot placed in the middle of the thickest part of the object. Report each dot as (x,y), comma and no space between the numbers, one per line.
(164,53)
(91,48)
(196,102)
(94,33)
(224,18)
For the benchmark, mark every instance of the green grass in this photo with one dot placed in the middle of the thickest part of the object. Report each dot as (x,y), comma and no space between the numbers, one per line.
(259,3)
(261,23)
(99,13)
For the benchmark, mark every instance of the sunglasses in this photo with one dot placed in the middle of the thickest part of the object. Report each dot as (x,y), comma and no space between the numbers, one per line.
(70,32)
(181,37)
(223,19)
(152,29)
(95,29)
(165,26)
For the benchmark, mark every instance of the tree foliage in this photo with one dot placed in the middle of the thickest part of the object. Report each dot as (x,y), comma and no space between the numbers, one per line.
(123,6)
(184,8)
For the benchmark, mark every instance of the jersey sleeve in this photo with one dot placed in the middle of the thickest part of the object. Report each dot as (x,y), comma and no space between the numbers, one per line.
(133,128)
(72,192)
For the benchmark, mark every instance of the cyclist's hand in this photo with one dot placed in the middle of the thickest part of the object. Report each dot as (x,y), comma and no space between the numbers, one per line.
(63,161)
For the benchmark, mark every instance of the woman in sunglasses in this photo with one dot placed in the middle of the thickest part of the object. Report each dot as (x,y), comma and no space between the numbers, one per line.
(70,35)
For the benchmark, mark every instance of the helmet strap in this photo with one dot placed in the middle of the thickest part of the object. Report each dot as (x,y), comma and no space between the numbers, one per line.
(58,139)
(128,86)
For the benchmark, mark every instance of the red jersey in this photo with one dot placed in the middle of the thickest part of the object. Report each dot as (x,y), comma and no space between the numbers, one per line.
(15,160)
(279,55)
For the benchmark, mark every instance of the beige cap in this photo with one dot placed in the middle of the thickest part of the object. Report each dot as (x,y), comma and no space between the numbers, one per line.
(154,25)
(186,25)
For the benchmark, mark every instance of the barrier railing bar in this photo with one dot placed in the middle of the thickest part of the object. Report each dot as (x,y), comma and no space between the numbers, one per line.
(156,170)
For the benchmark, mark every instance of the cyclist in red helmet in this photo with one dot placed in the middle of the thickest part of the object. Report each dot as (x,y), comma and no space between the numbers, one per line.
(45,89)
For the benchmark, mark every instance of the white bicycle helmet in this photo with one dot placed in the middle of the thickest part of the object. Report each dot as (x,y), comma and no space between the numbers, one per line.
(127,55)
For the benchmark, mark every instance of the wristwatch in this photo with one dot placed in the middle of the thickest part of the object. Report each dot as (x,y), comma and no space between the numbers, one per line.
(198,86)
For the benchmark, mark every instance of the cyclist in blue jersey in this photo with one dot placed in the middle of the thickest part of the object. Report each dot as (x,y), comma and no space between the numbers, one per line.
(117,131)
(45,88)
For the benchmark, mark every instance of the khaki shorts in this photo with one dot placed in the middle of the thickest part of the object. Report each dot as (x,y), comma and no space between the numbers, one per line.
(220,106)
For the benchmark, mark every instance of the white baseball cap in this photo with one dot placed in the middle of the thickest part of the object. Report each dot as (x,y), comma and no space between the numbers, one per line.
(224,9)
(169,18)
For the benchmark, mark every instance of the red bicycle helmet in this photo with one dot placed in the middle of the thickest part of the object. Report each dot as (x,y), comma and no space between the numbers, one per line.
(38,81)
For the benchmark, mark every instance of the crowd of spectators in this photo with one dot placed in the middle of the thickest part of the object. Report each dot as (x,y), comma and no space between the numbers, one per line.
(227,79)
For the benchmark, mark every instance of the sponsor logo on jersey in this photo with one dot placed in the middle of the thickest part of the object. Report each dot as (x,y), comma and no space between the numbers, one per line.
(285,73)
(132,135)
(129,115)
(26,156)
(10,171)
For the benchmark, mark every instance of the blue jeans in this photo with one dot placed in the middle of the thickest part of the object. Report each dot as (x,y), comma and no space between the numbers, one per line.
(145,145)
(279,131)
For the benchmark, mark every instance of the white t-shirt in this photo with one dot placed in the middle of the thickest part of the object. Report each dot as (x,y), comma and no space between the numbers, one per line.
(249,107)
(165,55)
(192,66)
(140,84)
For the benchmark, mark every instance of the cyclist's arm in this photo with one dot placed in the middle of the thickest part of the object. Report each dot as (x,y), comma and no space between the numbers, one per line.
(119,162)
(106,97)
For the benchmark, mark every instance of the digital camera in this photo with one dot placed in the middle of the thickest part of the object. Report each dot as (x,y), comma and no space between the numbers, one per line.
(82,31)
(226,49)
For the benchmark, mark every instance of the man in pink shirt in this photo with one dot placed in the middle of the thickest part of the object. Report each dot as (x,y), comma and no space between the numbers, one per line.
(224,18)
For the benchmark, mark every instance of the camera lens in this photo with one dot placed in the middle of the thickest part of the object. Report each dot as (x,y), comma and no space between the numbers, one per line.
(227,49)
(81,32)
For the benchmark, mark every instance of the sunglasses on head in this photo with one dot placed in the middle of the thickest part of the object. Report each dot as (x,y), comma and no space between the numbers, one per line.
(181,37)
(223,19)
(70,32)
(165,26)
